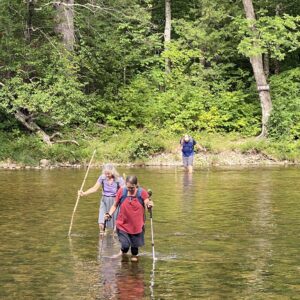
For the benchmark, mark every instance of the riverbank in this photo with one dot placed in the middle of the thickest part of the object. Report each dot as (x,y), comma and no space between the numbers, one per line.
(222,159)
(141,148)
(202,160)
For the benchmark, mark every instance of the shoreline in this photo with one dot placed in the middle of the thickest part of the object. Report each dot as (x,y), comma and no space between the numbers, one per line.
(201,160)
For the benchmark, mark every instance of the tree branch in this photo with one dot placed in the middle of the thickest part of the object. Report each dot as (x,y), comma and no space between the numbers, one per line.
(89,6)
(66,142)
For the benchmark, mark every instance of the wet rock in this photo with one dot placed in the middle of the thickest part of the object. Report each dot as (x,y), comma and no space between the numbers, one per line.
(44,163)
(4,165)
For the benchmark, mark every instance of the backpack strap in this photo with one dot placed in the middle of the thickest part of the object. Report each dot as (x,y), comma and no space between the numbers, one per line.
(102,183)
(118,184)
(138,196)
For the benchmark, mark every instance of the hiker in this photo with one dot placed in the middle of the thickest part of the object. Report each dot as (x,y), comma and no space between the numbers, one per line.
(187,148)
(110,181)
(131,201)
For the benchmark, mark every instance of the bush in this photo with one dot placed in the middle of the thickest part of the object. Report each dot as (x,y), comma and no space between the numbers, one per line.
(285,118)
(21,148)
(253,146)
(185,104)
(143,146)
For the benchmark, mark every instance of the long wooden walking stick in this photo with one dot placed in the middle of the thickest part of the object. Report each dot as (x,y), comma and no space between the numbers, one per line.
(78,197)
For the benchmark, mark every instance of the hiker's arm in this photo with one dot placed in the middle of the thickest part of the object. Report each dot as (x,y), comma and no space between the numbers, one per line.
(113,208)
(179,147)
(91,190)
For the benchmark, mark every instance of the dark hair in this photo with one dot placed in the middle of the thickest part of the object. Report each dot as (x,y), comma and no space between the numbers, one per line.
(132,179)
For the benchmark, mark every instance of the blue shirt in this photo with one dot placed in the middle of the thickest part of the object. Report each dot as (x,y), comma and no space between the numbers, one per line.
(188,147)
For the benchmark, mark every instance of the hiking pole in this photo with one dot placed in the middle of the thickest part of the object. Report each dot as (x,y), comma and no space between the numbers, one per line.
(152,233)
(78,197)
(104,226)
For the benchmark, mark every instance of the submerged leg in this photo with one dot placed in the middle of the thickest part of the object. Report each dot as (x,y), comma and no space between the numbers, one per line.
(134,252)
(101,229)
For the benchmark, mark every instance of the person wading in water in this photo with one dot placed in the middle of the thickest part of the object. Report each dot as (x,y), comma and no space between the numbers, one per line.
(110,181)
(131,201)
(187,148)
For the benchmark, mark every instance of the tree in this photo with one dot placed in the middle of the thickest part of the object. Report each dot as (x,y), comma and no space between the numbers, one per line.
(259,74)
(65,22)
(105,62)
(29,29)
(167,32)
(36,86)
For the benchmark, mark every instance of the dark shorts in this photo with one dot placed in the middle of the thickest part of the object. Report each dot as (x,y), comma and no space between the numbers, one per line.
(131,240)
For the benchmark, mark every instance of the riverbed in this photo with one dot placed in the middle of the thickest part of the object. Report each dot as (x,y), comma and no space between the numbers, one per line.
(220,233)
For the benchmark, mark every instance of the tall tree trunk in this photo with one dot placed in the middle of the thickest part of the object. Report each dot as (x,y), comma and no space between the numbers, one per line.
(30,12)
(276,66)
(278,11)
(260,77)
(65,22)
(167,33)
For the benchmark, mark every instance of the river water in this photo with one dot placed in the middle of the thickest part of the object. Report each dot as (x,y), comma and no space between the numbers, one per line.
(219,234)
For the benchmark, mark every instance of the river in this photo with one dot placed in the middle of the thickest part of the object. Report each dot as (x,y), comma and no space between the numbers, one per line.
(219,234)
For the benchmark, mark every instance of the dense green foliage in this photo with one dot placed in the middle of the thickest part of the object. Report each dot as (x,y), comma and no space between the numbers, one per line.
(285,119)
(115,78)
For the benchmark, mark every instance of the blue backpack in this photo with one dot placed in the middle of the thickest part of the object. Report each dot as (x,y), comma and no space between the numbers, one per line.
(138,196)
(188,147)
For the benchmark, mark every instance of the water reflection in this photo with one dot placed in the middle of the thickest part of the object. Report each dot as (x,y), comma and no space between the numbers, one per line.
(120,278)
(187,181)
(263,226)
(152,280)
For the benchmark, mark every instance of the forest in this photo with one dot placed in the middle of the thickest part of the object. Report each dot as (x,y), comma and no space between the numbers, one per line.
(129,77)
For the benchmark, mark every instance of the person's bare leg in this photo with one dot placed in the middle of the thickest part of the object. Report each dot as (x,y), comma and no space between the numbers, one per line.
(101,228)
(134,252)
(134,258)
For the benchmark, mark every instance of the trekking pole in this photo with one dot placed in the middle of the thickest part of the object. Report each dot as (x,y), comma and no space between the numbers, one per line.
(152,233)
(104,226)
(78,197)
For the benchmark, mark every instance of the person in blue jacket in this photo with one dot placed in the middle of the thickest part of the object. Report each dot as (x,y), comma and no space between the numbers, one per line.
(188,145)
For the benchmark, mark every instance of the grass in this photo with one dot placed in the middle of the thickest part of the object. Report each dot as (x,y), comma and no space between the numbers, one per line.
(135,146)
